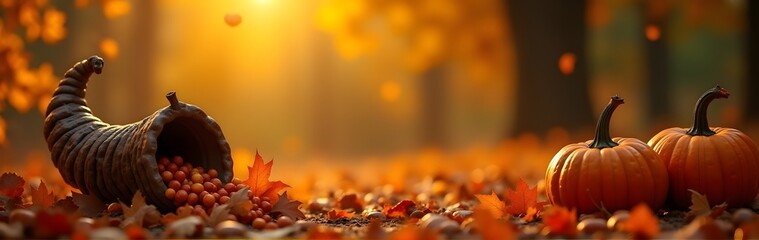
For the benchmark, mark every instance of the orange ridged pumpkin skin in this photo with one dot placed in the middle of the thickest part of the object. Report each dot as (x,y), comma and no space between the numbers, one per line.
(721,163)
(614,173)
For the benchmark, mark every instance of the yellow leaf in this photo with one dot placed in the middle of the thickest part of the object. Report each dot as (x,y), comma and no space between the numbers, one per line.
(492,204)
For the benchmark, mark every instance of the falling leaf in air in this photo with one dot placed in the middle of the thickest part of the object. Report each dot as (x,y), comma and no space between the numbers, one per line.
(109,48)
(523,198)
(232,19)
(700,206)
(642,223)
(11,185)
(560,221)
(399,210)
(490,228)
(89,206)
(239,204)
(288,207)
(335,214)
(41,198)
(350,201)
(258,179)
(492,204)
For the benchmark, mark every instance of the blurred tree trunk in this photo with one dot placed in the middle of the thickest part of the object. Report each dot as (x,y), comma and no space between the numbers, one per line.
(543,30)
(657,62)
(432,94)
(752,77)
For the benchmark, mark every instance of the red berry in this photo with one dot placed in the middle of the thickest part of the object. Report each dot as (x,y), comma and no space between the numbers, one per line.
(266,206)
(255,206)
(240,187)
(184,169)
(213,173)
(192,198)
(206,177)
(255,200)
(265,199)
(259,223)
(164,161)
(198,210)
(186,187)
(180,176)
(223,192)
(267,218)
(201,170)
(203,194)
(271,225)
(174,184)
(254,214)
(209,187)
(197,178)
(216,182)
(177,160)
(284,221)
(170,193)
(216,195)
(230,187)
(236,181)
(181,196)
(167,176)
(172,167)
(161,168)
(197,188)
(246,218)
(209,200)
(224,199)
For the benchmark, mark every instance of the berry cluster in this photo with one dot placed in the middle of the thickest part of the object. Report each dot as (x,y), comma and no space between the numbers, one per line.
(202,190)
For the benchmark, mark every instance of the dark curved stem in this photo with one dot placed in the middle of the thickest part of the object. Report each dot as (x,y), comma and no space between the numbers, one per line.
(173,101)
(603,139)
(700,123)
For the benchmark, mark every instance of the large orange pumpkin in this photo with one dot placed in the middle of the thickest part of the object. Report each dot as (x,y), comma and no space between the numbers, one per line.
(614,173)
(721,163)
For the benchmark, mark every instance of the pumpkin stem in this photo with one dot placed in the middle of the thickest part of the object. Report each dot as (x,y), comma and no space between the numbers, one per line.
(602,139)
(700,123)
(173,101)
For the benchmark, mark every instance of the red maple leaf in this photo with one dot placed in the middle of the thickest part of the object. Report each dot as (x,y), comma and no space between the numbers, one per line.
(41,198)
(258,179)
(11,185)
(523,198)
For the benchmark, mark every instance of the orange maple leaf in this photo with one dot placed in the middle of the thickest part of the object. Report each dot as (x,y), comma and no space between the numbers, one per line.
(642,223)
(258,180)
(492,204)
(561,221)
(335,214)
(523,198)
(399,210)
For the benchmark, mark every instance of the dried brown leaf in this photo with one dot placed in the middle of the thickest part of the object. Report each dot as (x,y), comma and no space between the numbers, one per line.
(89,206)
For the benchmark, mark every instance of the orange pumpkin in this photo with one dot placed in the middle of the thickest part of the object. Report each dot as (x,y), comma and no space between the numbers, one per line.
(614,173)
(721,163)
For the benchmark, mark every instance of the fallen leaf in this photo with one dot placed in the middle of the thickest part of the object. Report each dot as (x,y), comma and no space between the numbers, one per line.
(11,185)
(41,198)
(531,215)
(138,201)
(350,201)
(232,19)
(188,227)
(288,207)
(560,221)
(258,179)
(642,224)
(218,214)
(492,204)
(399,210)
(67,205)
(700,206)
(335,214)
(89,206)
(522,199)
(322,232)
(52,223)
(490,228)
(239,203)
